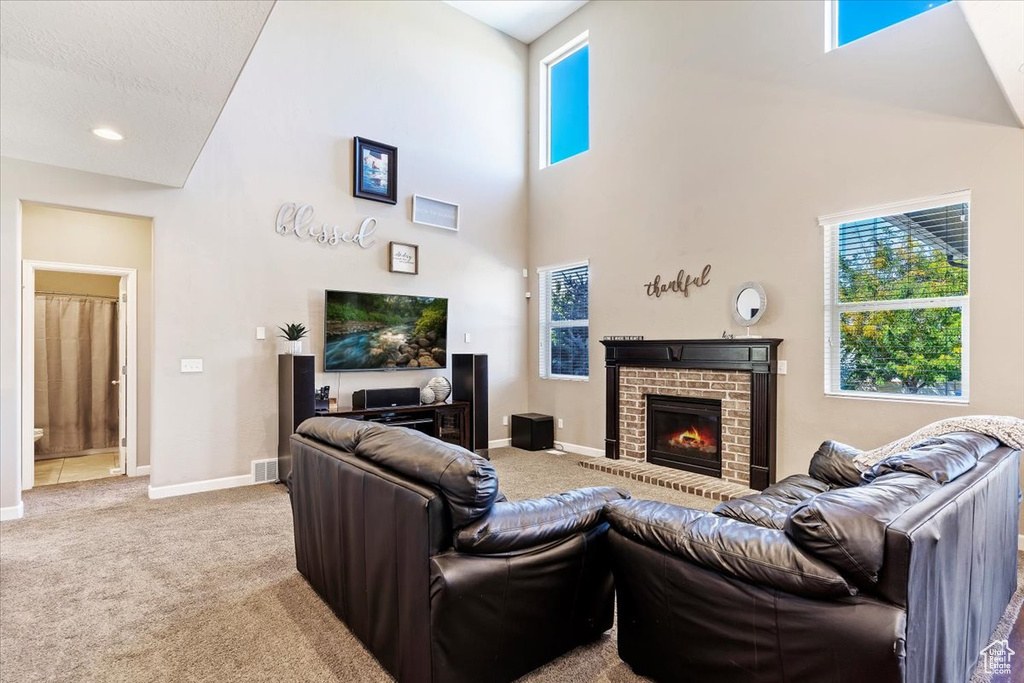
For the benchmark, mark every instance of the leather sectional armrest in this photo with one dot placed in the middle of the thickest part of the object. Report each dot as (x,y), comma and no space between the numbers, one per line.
(511,526)
(748,552)
(833,463)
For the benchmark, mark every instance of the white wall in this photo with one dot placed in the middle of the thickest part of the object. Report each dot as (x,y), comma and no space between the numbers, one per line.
(449,92)
(719,133)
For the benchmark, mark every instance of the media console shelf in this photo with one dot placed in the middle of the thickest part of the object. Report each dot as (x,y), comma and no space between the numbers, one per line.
(445,421)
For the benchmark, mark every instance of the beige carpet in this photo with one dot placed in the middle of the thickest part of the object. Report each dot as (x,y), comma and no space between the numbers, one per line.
(99,583)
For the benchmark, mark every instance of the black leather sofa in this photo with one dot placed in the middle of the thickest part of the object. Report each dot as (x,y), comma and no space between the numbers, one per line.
(899,575)
(409,541)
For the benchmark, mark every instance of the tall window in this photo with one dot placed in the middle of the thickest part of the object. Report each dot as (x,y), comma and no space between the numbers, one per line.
(565,113)
(854,19)
(896,300)
(565,321)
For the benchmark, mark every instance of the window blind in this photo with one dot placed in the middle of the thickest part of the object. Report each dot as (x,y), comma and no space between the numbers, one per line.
(897,302)
(564,321)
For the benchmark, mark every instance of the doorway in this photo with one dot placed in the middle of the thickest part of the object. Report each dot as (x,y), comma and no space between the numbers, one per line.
(79,353)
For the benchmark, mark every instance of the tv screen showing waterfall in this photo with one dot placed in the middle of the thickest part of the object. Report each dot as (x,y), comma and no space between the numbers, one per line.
(365,331)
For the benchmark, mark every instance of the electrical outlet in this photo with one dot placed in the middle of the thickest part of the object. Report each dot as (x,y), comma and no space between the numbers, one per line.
(504,420)
(526,273)
(191,364)
(783,367)
(261,333)
(560,423)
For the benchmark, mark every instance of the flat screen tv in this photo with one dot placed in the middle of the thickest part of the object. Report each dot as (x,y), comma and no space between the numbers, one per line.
(364,331)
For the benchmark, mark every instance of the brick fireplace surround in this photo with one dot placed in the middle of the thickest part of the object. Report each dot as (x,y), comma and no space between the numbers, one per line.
(741,373)
(732,388)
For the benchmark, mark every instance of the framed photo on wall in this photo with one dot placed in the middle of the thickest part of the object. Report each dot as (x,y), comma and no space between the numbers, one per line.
(403,258)
(375,175)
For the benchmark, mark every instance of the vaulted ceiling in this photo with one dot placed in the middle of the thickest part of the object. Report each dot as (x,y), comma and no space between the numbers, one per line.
(524,20)
(159,73)
(999,28)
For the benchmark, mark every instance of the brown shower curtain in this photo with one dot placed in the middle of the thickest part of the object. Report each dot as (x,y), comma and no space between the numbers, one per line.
(76,360)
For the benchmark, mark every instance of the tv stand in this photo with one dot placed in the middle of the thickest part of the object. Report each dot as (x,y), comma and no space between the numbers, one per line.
(445,421)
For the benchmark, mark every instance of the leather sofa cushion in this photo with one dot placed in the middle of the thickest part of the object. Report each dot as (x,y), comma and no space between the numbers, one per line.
(942,458)
(771,507)
(467,481)
(834,464)
(846,527)
(529,523)
(744,551)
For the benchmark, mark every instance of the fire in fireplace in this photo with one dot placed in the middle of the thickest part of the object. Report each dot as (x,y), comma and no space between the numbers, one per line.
(685,433)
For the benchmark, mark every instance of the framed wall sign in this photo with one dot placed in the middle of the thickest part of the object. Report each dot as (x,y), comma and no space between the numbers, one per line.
(403,258)
(434,212)
(375,175)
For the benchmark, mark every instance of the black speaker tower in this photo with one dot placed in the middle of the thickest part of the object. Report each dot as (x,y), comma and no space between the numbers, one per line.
(296,402)
(469,383)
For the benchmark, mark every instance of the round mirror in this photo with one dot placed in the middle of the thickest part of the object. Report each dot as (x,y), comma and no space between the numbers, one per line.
(749,303)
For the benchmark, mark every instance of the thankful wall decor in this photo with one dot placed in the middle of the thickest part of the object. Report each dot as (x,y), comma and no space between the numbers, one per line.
(681,284)
(297,219)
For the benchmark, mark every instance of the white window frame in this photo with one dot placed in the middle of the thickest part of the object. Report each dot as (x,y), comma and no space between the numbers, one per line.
(544,114)
(547,324)
(834,309)
(831,25)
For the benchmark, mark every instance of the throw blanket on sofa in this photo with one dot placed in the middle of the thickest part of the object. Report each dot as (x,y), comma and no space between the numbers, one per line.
(1009,430)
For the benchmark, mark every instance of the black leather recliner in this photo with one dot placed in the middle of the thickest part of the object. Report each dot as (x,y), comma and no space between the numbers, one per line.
(897,575)
(402,535)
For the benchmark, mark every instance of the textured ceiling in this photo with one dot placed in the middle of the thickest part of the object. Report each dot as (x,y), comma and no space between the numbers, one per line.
(524,20)
(158,72)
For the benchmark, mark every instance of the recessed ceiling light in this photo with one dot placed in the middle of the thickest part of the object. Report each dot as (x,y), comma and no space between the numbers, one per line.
(107,134)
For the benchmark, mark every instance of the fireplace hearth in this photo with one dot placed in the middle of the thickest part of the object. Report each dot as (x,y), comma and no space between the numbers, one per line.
(685,433)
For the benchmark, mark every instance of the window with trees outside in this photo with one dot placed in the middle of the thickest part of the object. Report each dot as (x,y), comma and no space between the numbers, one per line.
(896,301)
(564,321)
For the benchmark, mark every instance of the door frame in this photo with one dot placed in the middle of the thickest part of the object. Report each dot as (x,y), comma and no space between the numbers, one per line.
(28,353)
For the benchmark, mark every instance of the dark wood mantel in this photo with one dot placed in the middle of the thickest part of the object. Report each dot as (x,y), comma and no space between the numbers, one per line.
(759,356)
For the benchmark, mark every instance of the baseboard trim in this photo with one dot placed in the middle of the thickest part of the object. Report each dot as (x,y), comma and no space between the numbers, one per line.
(569,447)
(581,450)
(142,471)
(13,512)
(199,486)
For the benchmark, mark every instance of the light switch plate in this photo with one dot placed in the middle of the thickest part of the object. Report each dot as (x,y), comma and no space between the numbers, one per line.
(783,367)
(560,424)
(261,333)
(467,338)
(504,420)
(191,364)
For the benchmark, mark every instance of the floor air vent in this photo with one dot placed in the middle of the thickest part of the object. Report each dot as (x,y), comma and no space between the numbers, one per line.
(264,471)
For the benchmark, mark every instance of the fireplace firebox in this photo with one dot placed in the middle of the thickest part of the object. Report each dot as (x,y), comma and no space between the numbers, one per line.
(685,433)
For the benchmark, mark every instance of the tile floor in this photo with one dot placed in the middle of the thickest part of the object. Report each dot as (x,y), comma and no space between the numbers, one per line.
(78,468)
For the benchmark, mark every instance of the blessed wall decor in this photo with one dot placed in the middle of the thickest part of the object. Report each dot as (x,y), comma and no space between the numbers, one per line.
(297,219)
(681,284)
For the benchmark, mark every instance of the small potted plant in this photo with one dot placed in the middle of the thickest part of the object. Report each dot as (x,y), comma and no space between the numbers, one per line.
(293,333)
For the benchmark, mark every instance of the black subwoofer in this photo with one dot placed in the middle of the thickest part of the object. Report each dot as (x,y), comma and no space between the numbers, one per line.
(533,431)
